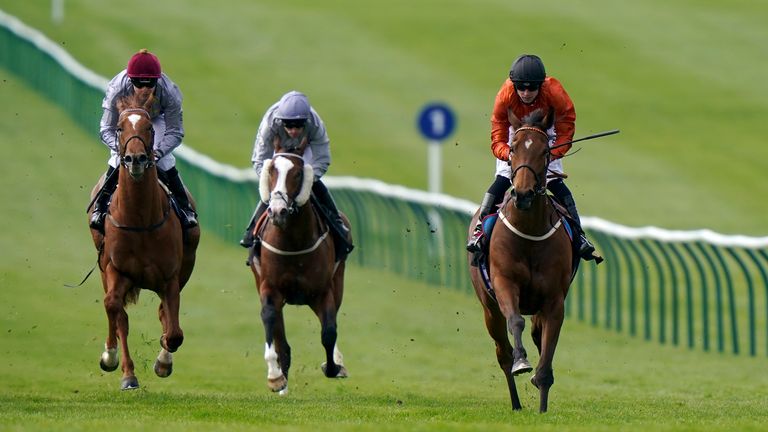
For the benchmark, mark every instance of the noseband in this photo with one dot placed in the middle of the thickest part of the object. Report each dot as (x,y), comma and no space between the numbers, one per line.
(541,186)
(144,159)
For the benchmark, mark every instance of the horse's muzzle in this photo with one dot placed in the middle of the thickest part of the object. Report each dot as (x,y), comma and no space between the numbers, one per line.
(523,200)
(278,216)
(136,164)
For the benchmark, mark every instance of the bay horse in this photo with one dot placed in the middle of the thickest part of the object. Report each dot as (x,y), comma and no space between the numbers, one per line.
(296,263)
(530,262)
(143,245)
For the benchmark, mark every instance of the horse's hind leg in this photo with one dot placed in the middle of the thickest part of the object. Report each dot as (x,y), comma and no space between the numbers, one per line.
(326,313)
(118,328)
(277,352)
(536,331)
(496,325)
(551,323)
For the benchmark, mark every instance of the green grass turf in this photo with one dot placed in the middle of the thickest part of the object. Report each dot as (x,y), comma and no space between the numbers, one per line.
(681,79)
(419,357)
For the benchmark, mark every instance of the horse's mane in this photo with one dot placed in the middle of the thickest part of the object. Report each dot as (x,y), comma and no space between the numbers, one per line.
(133,101)
(535,118)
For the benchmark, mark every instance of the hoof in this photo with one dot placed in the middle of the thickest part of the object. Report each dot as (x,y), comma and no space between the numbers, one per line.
(521,366)
(109,359)
(342,373)
(163,370)
(129,383)
(108,368)
(278,385)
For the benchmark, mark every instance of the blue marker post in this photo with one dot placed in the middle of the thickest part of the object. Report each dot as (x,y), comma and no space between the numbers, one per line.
(436,122)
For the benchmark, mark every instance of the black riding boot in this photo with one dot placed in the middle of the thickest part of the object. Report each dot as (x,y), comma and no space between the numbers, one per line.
(340,231)
(249,239)
(101,205)
(564,196)
(188,215)
(489,202)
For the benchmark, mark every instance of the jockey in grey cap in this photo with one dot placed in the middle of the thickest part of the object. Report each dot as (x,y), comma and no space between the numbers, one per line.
(293,120)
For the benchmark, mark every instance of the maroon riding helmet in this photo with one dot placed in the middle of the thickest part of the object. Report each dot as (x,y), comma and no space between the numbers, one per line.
(144,64)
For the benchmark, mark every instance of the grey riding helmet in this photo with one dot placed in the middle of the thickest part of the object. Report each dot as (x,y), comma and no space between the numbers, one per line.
(293,106)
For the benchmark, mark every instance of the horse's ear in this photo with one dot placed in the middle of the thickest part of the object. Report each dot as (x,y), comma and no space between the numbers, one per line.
(513,120)
(121,105)
(147,105)
(302,146)
(276,144)
(549,119)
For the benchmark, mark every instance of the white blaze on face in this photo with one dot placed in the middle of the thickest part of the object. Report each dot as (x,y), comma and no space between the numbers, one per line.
(282,166)
(134,118)
(273,368)
(528,143)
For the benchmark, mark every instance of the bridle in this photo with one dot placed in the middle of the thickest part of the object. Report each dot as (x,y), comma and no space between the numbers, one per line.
(144,159)
(541,184)
(290,203)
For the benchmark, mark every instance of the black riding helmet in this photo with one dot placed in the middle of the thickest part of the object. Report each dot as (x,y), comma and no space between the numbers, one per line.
(527,71)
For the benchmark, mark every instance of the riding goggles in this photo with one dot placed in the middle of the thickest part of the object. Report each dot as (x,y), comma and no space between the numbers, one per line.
(530,86)
(294,124)
(144,82)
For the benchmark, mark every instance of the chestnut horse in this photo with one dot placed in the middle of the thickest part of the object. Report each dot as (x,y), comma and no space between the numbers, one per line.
(142,246)
(296,264)
(530,262)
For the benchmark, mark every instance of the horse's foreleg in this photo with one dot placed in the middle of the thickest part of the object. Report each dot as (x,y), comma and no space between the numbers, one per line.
(173,336)
(509,303)
(552,322)
(118,325)
(277,352)
(497,328)
(164,362)
(334,361)
(516,325)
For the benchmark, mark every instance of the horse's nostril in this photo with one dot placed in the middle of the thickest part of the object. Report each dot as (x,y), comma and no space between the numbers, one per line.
(128,159)
(143,159)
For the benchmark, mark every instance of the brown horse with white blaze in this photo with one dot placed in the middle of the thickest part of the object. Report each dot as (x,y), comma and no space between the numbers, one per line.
(143,245)
(529,263)
(295,264)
